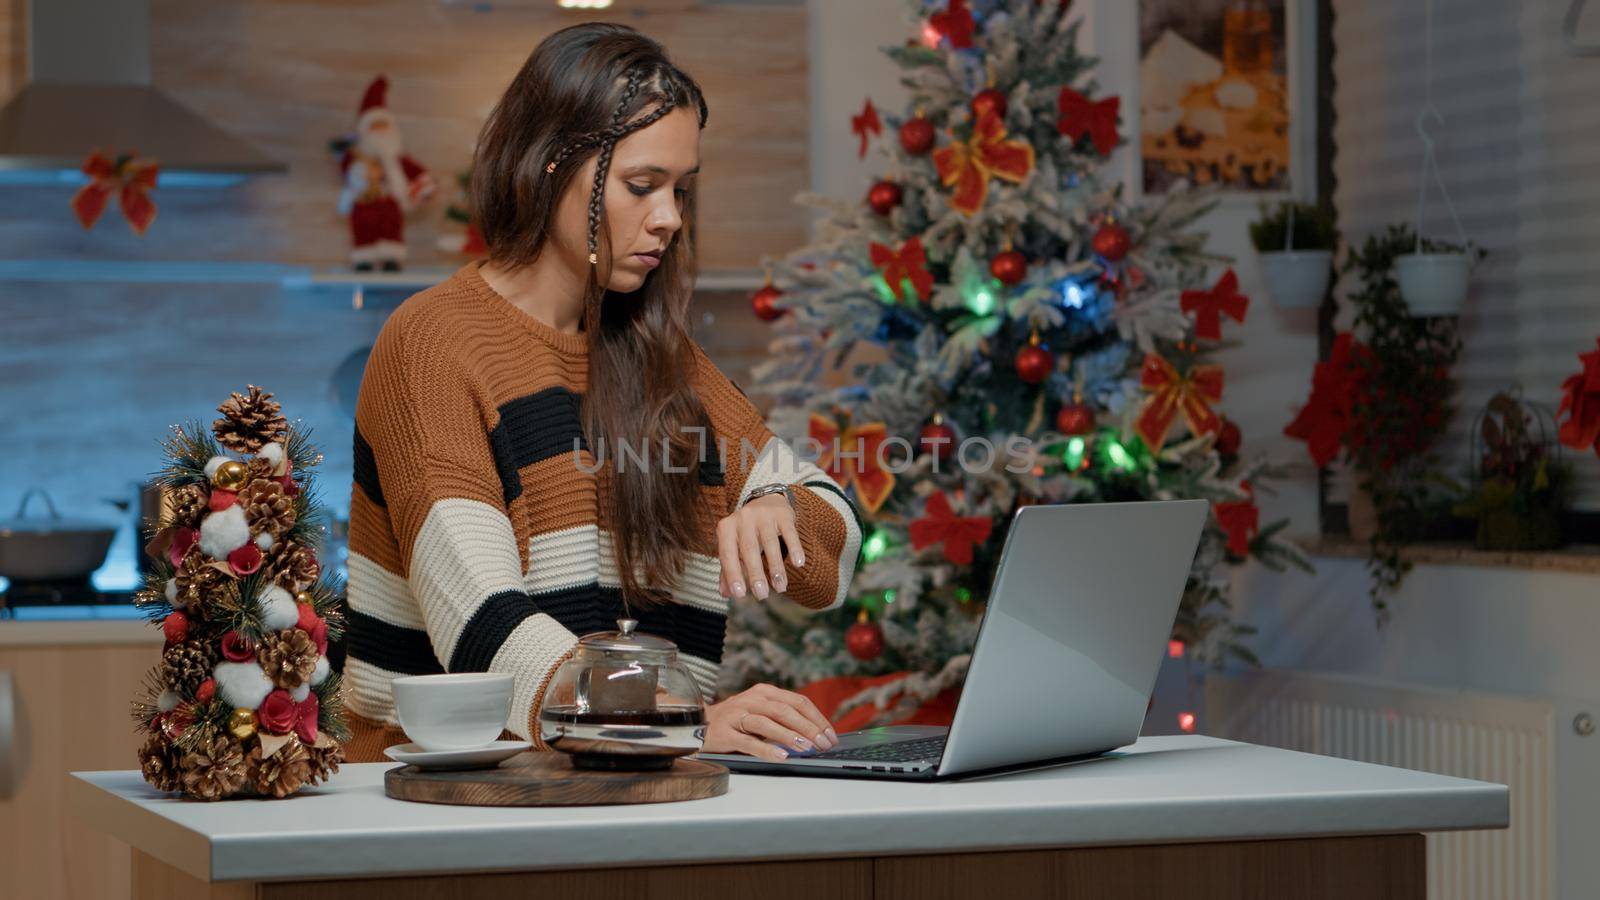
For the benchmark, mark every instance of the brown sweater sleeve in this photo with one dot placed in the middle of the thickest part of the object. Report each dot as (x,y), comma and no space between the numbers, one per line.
(827,522)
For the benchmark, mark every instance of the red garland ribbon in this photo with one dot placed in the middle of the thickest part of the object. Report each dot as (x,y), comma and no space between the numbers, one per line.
(863,124)
(1209,306)
(1326,419)
(968,166)
(1191,394)
(130,177)
(1078,115)
(1580,403)
(910,261)
(958,534)
(955,23)
(1240,520)
(873,481)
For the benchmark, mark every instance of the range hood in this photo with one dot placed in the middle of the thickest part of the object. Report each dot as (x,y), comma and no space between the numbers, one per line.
(89,88)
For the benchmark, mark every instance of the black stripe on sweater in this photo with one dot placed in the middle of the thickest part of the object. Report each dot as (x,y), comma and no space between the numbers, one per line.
(534,428)
(366,470)
(394,647)
(584,609)
(487,630)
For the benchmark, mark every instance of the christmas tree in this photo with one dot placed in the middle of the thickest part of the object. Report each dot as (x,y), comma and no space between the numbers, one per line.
(992,287)
(243,700)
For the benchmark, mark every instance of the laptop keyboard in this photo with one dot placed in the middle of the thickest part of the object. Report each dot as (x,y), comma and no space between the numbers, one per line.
(895,751)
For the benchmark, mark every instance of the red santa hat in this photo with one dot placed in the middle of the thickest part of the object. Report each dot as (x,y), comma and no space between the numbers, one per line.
(374,102)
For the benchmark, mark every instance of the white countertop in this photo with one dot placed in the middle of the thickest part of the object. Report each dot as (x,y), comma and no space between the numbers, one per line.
(81,624)
(1160,790)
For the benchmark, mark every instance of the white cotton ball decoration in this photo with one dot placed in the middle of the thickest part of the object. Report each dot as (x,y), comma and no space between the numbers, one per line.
(265,540)
(167,702)
(242,684)
(223,532)
(321,672)
(278,609)
(172,593)
(213,464)
(300,693)
(272,453)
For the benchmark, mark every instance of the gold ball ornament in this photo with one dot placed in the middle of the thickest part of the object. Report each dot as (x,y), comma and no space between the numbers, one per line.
(305,598)
(231,476)
(242,724)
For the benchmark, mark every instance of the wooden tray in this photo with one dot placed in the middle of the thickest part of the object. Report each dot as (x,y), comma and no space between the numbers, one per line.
(548,778)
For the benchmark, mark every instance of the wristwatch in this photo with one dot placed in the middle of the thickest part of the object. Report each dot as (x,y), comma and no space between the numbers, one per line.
(773,488)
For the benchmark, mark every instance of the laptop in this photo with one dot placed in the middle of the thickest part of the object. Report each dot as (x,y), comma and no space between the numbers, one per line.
(1066,656)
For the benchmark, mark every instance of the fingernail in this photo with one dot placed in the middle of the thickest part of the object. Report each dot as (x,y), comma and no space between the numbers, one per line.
(799,558)
(780,582)
(802,743)
(761,589)
(833,735)
(738,589)
(782,753)
(823,740)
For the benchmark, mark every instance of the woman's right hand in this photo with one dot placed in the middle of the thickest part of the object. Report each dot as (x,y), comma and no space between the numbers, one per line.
(754,720)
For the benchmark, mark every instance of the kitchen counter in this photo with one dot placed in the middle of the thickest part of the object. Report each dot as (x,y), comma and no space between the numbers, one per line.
(67,624)
(1162,793)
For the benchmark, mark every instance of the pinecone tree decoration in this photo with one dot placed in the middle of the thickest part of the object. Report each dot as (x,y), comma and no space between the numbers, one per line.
(324,762)
(282,773)
(197,582)
(214,769)
(249,421)
(292,565)
(189,504)
(257,467)
(267,508)
(183,666)
(288,657)
(159,765)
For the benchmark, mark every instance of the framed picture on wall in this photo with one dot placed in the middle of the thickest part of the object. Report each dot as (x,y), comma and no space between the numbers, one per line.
(1226,94)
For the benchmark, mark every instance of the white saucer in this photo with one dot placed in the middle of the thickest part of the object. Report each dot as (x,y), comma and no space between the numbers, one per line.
(476,758)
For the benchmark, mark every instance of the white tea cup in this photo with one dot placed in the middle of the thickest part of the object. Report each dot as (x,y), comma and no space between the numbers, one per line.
(456,711)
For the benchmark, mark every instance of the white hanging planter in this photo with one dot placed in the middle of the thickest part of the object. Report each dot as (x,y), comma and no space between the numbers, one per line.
(1296,279)
(1433,284)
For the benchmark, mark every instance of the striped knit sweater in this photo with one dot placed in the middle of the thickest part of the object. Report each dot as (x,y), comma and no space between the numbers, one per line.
(478,541)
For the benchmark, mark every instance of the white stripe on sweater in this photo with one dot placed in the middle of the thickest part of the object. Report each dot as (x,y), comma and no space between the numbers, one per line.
(380,593)
(367,691)
(465,552)
(527,654)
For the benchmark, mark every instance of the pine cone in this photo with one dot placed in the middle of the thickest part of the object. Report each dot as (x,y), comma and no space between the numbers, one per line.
(159,764)
(214,770)
(249,421)
(183,666)
(267,508)
(189,504)
(197,583)
(258,467)
(282,773)
(288,657)
(324,762)
(292,566)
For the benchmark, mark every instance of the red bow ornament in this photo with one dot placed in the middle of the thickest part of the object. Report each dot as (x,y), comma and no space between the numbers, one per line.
(1208,307)
(130,177)
(1191,394)
(968,166)
(958,534)
(1328,415)
(910,261)
(1580,403)
(866,123)
(1240,520)
(853,454)
(954,23)
(1078,116)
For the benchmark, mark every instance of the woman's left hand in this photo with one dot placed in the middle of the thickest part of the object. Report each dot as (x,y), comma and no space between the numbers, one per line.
(747,542)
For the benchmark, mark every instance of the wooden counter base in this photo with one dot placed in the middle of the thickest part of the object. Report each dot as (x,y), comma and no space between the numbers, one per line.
(1382,867)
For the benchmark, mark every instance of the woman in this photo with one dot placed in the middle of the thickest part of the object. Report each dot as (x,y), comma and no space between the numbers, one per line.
(541,447)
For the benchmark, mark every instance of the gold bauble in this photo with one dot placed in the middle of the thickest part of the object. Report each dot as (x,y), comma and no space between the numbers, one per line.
(242,724)
(304,597)
(231,475)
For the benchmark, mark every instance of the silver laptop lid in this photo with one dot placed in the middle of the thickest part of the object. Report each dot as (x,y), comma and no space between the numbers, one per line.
(1078,618)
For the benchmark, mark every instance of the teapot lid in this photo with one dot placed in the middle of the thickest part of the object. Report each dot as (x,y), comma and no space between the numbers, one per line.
(627,641)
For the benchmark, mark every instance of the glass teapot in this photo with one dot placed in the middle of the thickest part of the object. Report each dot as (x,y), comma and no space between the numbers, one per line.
(623,701)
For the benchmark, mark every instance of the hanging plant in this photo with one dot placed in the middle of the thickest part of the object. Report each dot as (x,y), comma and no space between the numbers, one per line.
(1295,245)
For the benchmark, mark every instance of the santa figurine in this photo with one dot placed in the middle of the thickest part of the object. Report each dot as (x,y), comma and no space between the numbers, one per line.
(381,184)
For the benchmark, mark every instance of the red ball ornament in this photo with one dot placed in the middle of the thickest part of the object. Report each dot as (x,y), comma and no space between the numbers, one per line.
(864,639)
(884,197)
(1075,418)
(308,618)
(1112,241)
(175,626)
(1034,362)
(916,136)
(988,99)
(1228,438)
(1010,267)
(763,303)
(206,692)
(221,499)
(938,438)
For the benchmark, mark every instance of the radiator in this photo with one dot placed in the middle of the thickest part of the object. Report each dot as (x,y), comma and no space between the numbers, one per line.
(1489,737)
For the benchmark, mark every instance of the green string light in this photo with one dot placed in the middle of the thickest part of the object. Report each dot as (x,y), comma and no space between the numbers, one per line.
(1120,457)
(888,595)
(963,594)
(1073,456)
(877,543)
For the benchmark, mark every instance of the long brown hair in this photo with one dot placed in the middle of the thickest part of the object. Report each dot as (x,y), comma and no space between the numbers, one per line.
(579,93)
